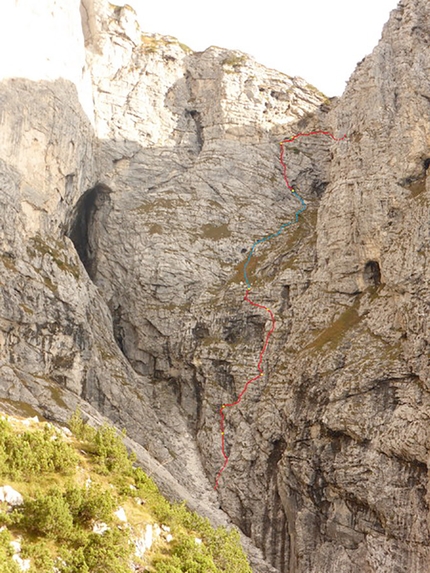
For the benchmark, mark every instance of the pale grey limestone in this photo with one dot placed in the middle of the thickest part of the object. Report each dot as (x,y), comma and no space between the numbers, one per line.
(161,189)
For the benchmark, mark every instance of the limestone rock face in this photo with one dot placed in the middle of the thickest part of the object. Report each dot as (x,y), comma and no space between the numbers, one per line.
(134,180)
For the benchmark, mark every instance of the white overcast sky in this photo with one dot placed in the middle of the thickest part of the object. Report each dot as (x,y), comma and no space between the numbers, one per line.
(319,40)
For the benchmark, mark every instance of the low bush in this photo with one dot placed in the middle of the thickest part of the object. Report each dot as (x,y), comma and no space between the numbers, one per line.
(57,521)
(111,454)
(23,455)
(55,513)
(92,503)
(79,428)
(7,565)
(47,514)
(40,557)
(104,444)
(108,553)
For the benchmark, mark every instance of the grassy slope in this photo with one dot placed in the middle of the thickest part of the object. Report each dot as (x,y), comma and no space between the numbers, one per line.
(71,481)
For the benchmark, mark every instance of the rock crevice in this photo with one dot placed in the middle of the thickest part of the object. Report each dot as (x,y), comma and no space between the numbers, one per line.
(89,214)
(160,188)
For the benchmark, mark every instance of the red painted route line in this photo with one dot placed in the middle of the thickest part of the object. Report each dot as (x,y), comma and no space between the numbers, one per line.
(251,302)
(245,388)
(294,137)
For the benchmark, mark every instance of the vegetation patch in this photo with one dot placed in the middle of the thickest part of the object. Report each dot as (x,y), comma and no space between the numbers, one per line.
(254,263)
(77,488)
(155,229)
(151,43)
(185,48)
(318,93)
(18,408)
(26,308)
(105,354)
(50,285)
(8,261)
(306,225)
(334,333)
(417,188)
(287,241)
(56,395)
(26,454)
(234,61)
(160,206)
(215,232)
(56,253)
(416,184)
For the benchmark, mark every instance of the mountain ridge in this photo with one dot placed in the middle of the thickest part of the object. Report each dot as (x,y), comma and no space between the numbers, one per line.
(131,196)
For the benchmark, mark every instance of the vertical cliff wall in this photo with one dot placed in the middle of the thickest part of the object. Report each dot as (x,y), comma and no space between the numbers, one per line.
(134,180)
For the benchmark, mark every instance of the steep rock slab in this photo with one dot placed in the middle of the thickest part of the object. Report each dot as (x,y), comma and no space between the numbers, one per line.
(334,447)
(318,477)
(58,347)
(341,421)
(181,214)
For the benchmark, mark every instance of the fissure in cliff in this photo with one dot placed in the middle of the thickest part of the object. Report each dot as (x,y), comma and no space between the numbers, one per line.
(83,231)
(246,298)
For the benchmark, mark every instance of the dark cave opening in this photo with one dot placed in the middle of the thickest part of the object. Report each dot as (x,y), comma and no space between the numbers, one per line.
(195,115)
(285,294)
(83,230)
(285,299)
(426,163)
(372,273)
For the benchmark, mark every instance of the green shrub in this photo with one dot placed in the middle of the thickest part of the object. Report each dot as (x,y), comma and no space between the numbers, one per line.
(234,61)
(187,557)
(33,452)
(66,516)
(227,551)
(7,565)
(58,520)
(223,546)
(194,558)
(91,503)
(48,514)
(105,444)
(168,565)
(108,553)
(80,429)
(73,561)
(6,518)
(142,480)
(221,550)
(40,556)
(155,502)
(112,455)
(124,486)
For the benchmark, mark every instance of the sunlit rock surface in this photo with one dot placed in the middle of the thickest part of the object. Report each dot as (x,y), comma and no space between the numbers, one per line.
(135,176)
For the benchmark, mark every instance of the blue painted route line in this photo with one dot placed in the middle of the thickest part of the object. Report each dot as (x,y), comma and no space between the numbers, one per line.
(273,235)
